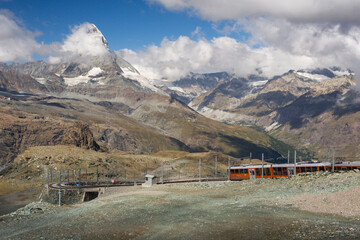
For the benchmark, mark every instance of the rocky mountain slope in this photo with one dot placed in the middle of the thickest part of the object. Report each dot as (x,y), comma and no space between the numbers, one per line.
(120,107)
(305,108)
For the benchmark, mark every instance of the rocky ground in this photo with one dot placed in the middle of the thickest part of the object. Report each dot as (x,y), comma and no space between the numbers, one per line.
(314,206)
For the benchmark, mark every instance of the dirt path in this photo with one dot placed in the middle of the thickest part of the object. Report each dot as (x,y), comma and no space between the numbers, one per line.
(260,209)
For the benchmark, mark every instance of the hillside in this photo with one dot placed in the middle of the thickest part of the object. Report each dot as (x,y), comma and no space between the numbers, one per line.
(311,110)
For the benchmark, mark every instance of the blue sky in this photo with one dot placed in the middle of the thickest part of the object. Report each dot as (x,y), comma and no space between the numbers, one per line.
(124,23)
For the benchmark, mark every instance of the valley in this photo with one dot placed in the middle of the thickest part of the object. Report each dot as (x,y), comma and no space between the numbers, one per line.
(92,114)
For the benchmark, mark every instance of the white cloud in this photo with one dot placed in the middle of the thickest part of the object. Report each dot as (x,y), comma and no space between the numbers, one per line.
(84,41)
(19,44)
(291,35)
(344,11)
(16,43)
(174,59)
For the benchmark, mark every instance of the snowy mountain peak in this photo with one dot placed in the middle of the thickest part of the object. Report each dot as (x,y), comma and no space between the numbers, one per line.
(94,32)
(320,74)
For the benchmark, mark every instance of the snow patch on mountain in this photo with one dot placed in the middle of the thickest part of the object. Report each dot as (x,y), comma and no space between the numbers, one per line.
(317,77)
(94,73)
(320,74)
(143,81)
(258,83)
(178,89)
(41,80)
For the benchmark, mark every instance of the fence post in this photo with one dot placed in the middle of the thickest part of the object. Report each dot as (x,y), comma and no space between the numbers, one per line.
(79,178)
(86,179)
(107,177)
(60,198)
(45,176)
(199,170)
(328,154)
(162,172)
(295,163)
(97,175)
(134,180)
(229,168)
(145,169)
(51,175)
(48,176)
(262,167)
(333,160)
(68,175)
(215,165)
(59,177)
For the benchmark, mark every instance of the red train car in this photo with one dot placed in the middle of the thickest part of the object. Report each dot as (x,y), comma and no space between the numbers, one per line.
(286,170)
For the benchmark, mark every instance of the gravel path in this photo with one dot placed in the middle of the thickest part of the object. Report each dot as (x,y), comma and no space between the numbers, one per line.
(259,209)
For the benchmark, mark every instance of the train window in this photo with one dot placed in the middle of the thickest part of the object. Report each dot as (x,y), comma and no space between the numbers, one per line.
(267,171)
(308,169)
(246,171)
(314,169)
(303,169)
(298,170)
(284,171)
(258,172)
(321,168)
(232,171)
(241,171)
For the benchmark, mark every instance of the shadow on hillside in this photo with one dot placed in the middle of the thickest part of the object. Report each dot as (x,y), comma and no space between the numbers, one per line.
(340,111)
(244,148)
(298,113)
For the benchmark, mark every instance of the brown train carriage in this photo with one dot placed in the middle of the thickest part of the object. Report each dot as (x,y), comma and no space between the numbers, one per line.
(275,170)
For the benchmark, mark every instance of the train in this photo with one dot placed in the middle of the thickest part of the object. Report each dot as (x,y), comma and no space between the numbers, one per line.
(286,170)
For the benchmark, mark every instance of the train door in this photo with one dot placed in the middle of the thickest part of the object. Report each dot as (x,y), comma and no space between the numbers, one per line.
(252,173)
(291,172)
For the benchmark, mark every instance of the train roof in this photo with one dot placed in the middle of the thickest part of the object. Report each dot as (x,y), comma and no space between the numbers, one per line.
(348,164)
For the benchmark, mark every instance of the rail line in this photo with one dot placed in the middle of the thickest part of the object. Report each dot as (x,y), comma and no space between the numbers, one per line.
(74,186)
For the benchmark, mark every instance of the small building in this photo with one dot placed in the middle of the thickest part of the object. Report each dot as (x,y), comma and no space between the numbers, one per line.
(149,180)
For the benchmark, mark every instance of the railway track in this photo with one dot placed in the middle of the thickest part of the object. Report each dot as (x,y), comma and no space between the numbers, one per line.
(75,186)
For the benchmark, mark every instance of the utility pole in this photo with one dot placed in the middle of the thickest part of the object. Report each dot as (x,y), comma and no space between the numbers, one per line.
(162,173)
(215,165)
(288,157)
(228,168)
(97,175)
(199,170)
(250,157)
(262,167)
(295,163)
(107,176)
(333,160)
(79,178)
